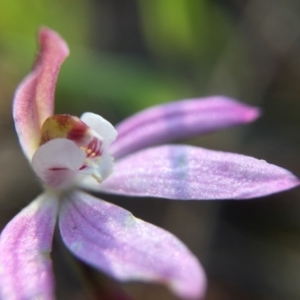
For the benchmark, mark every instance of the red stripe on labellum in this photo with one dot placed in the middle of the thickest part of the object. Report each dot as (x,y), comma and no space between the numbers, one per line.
(78,131)
(93,149)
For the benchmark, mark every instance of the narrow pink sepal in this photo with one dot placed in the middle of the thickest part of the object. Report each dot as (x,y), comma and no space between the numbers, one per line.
(34,98)
(25,246)
(186,172)
(180,119)
(126,248)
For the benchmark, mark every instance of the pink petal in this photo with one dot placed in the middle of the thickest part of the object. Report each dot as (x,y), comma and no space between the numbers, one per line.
(25,246)
(34,98)
(179,119)
(186,172)
(57,162)
(126,248)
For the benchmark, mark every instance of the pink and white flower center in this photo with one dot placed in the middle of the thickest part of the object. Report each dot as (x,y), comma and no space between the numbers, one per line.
(71,148)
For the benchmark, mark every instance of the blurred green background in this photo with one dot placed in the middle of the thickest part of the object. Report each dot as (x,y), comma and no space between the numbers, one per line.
(130,54)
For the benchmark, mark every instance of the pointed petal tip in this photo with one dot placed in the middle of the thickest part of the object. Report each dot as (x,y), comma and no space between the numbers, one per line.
(248,112)
(252,114)
(289,183)
(194,289)
(48,36)
(281,181)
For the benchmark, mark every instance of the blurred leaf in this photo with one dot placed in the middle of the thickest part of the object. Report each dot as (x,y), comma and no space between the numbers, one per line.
(167,25)
(122,83)
(192,30)
(23,18)
(128,83)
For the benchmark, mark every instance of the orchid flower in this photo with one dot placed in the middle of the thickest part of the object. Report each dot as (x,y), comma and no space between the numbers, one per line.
(68,153)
